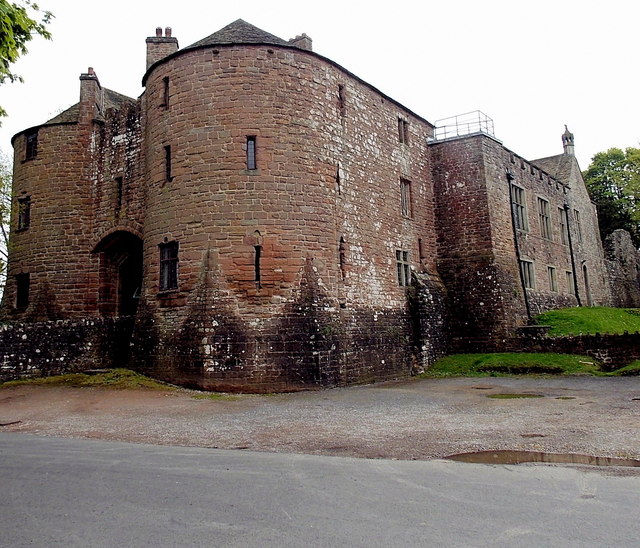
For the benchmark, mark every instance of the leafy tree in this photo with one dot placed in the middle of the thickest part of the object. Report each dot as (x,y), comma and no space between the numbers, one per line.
(613,181)
(19,23)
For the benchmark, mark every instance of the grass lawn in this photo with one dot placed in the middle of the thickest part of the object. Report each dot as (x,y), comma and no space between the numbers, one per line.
(506,364)
(111,378)
(590,320)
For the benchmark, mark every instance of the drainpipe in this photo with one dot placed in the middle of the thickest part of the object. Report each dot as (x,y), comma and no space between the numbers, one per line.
(573,259)
(510,178)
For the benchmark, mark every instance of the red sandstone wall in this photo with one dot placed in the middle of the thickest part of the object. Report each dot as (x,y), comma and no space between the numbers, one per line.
(54,249)
(289,101)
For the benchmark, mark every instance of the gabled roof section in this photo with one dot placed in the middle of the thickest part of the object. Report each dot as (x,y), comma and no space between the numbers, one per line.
(112,99)
(560,167)
(239,32)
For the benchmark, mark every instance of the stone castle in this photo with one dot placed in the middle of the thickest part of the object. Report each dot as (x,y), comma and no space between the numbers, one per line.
(273,222)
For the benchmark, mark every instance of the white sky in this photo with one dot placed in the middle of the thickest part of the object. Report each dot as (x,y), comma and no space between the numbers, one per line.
(531,66)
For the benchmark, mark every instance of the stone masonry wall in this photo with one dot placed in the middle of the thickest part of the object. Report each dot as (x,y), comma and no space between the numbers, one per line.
(326,193)
(53,348)
(623,268)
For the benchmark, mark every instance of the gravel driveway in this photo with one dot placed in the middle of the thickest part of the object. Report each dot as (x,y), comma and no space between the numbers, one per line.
(414,419)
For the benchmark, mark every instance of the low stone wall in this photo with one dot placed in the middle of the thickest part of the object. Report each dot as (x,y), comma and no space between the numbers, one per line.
(53,348)
(613,351)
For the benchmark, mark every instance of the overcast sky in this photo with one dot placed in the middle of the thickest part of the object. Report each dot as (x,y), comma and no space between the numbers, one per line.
(531,66)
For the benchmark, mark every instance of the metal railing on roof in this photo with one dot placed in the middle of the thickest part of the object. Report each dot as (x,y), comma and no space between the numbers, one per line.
(463,124)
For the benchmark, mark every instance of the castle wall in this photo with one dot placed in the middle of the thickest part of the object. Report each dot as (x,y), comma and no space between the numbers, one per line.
(52,249)
(329,168)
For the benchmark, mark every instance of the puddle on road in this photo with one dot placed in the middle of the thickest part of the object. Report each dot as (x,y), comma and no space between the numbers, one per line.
(519,457)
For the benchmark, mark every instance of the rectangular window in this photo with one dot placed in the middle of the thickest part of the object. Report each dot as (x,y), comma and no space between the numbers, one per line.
(571,286)
(168,266)
(168,175)
(553,280)
(526,267)
(24,212)
(22,291)
(32,145)
(545,220)
(518,204)
(405,197)
(576,215)
(403,131)
(564,232)
(251,153)
(165,92)
(403,267)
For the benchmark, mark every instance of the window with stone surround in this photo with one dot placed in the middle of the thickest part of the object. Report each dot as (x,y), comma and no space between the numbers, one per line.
(168,266)
(251,153)
(31,150)
(22,291)
(564,226)
(24,212)
(119,186)
(576,216)
(571,285)
(528,276)
(403,131)
(405,197)
(342,257)
(544,217)
(518,203)
(553,280)
(403,267)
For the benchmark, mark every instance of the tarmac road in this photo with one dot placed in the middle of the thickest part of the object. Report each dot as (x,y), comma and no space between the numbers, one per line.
(89,493)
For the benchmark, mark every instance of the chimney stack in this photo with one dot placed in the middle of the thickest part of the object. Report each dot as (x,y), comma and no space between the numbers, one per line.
(302,41)
(159,46)
(91,97)
(567,142)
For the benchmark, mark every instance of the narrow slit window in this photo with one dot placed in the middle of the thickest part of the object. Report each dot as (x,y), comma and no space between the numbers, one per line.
(342,257)
(405,197)
(168,266)
(165,92)
(118,188)
(403,131)
(168,175)
(256,265)
(24,213)
(22,291)
(553,280)
(251,153)
(342,100)
(571,284)
(338,180)
(31,145)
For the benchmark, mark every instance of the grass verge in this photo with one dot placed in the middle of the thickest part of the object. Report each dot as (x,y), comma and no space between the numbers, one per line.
(507,364)
(591,320)
(112,378)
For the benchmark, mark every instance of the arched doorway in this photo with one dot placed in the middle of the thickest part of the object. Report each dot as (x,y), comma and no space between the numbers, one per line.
(120,273)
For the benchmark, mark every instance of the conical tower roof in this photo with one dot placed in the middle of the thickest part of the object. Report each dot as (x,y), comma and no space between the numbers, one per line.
(239,32)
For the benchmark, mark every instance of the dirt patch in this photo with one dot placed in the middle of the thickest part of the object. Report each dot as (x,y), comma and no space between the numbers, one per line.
(420,419)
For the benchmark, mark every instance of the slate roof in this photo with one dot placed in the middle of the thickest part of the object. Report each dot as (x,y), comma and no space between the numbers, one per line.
(239,32)
(112,99)
(559,166)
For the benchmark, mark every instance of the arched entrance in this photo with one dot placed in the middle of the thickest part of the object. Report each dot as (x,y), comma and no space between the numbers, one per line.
(120,273)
